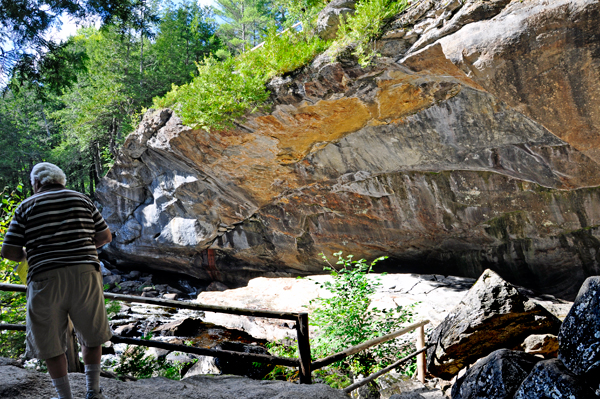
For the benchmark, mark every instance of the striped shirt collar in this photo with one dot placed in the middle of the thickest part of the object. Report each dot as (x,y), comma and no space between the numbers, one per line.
(51,187)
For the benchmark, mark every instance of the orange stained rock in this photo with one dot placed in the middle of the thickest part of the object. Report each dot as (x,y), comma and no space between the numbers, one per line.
(326,121)
(432,61)
(398,99)
(405,94)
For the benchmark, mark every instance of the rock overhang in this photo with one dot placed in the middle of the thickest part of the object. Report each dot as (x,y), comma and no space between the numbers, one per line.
(416,160)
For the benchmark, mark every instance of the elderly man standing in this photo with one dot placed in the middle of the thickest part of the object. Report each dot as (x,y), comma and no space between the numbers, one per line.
(60,230)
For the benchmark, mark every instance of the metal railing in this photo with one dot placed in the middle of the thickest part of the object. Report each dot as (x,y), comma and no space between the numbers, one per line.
(303,362)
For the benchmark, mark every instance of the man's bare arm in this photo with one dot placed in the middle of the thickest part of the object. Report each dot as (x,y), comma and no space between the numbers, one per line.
(17,254)
(102,238)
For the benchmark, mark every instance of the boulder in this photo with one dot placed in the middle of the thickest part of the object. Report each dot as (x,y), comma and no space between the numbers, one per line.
(492,315)
(398,386)
(551,379)
(579,337)
(129,330)
(111,280)
(180,328)
(443,156)
(496,376)
(545,345)
(329,18)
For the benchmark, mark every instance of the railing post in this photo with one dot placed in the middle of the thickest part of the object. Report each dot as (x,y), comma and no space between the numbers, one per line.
(304,348)
(421,357)
(73,363)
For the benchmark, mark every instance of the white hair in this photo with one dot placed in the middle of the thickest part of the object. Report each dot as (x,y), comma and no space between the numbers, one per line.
(47,173)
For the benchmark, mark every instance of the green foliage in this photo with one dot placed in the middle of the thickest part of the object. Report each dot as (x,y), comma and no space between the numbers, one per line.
(186,36)
(225,91)
(283,349)
(25,39)
(334,377)
(25,134)
(216,96)
(304,11)
(12,311)
(135,362)
(281,53)
(366,25)
(112,307)
(347,318)
(244,21)
(12,304)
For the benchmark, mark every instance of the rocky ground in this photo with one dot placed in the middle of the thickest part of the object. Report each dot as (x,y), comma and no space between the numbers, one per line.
(19,383)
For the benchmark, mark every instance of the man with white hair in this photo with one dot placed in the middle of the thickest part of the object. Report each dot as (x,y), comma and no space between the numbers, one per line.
(60,230)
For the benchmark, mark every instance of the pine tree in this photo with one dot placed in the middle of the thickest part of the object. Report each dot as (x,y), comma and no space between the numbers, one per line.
(244,21)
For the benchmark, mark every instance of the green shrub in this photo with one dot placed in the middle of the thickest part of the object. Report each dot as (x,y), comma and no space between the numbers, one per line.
(283,349)
(135,362)
(12,304)
(366,25)
(217,96)
(226,90)
(347,318)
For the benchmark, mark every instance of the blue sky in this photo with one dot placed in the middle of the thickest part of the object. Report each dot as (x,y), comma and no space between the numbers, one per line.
(69,27)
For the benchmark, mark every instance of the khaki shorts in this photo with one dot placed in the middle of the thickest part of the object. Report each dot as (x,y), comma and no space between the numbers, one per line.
(55,295)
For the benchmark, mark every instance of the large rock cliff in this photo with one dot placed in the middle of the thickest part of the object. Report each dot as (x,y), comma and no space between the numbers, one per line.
(471,144)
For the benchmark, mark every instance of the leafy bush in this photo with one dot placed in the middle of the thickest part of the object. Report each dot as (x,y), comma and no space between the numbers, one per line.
(225,90)
(217,96)
(283,349)
(366,25)
(347,318)
(112,307)
(12,304)
(135,362)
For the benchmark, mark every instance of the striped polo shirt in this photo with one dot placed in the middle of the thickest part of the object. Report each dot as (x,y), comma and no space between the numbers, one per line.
(57,228)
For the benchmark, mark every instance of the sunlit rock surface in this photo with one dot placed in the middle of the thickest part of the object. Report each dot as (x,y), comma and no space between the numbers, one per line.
(470,145)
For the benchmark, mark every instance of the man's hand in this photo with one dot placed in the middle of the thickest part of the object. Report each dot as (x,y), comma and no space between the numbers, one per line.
(102,238)
(17,254)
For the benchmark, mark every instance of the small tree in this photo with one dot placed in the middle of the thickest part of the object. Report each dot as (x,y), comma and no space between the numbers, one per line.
(347,318)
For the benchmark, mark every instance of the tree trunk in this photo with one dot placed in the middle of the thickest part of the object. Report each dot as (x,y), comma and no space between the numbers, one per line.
(142,43)
(95,150)
(91,180)
(113,133)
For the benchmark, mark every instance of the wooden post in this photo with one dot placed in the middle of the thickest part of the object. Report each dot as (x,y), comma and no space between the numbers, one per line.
(304,348)
(73,363)
(421,357)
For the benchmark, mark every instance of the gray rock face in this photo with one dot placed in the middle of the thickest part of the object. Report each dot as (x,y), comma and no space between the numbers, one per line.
(516,57)
(492,315)
(329,18)
(579,337)
(551,379)
(446,168)
(497,376)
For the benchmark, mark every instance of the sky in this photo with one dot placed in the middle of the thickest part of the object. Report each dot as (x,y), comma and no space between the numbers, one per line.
(69,27)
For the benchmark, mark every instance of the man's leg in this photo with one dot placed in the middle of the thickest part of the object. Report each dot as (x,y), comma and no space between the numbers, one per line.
(91,359)
(57,368)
